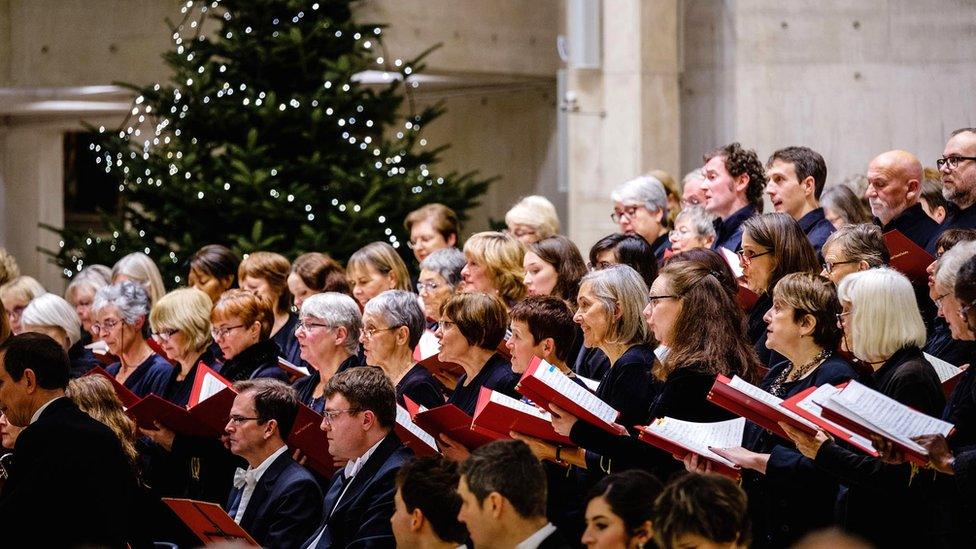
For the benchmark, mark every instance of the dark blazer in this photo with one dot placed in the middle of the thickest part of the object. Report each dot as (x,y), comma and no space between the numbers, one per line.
(661,245)
(362,516)
(556,540)
(258,360)
(592,363)
(70,484)
(151,376)
(285,506)
(957,219)
(817,228)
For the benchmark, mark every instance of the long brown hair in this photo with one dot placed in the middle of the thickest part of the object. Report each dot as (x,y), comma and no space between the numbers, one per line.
(781,234)
(565,258)
(95,396)
(711,324)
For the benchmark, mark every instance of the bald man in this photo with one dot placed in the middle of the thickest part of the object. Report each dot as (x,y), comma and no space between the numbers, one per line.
(894,189)
(958,169)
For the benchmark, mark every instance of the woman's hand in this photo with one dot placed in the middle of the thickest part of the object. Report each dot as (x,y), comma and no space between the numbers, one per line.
(160,435)
(695,465)
(744,458)
(887,451)
(808,445)
(562,421)
(940,456)
(542,449)
(453,450)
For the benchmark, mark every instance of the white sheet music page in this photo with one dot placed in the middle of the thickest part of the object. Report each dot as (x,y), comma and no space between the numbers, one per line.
(774,401)
(403,419)
(519,406)
(732,259)
(885,415)
(825,391)
(697,437)
(943,368)
(211,385)
(562,384)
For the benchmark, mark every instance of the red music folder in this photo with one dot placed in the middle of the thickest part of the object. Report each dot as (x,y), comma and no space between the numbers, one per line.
(867,412)
(908,257)
(498,414)
(544,384)
(209,522)
(680,438)
(746,297)
(413,437)
(307,436)
(127,397)
(805,405)
(294,372)
(765,410)
(206,415)
(425,354)
(447,420)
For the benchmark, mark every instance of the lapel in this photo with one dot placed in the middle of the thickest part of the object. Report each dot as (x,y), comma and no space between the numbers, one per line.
(365,475)
(264,488)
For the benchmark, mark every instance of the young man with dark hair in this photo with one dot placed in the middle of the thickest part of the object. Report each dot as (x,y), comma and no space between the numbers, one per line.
(542,326)
(734,181)
(275,500)
(795,179)
(360,410)
(71,483)
(503,498)
(427,505)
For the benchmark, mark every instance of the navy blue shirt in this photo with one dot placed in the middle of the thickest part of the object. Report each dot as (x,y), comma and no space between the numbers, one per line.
(916,225)
(661,245)
(728,231)
(817,228)
(421,387)
(177,390)
(496,374)
(82,359)
(958,219)
(305,387)
(287,344)
(149,377)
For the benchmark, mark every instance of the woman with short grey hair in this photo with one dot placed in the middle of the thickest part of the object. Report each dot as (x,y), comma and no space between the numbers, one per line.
(440,274)
(392,325)
(81,292)
(121,315)
(51,315)
(693,228)
(640,206)
(328,335)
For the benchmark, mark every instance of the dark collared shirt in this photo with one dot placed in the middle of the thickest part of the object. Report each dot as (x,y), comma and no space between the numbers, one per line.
(661,245)
(916,225)
(957,218)
(728,231)
(817,228)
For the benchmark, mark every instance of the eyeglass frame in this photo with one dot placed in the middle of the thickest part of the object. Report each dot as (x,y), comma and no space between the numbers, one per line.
(628,211)
(302,325)
(96,327)
(828,266)
(368,333)
(217,333)
(747,259)
(328,416)
(429,286)
(964,310)
(951,161)
(164,335)
(238,420)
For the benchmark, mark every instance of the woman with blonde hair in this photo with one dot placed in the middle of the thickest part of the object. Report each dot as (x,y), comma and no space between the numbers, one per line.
(95,396)
(494,265)
(266,274)
(53,316)
(16,294)
(81,292)
(376,268)
(8,266)
(180,323)
(532,219)
(138,267)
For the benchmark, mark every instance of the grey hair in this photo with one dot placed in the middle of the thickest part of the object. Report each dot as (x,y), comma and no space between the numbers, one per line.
(947,268)
(336,310)
(646,191)
(446,262)
(131,299)
(399,308)
(693,175)
(701,221)
(53,310)
(619,287)
(92,276)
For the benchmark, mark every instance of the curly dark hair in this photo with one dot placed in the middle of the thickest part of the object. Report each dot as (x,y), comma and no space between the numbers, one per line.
(740,161)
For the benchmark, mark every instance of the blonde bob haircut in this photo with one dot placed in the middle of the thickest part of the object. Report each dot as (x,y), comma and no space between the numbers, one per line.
(621,290)
(384,259)
(245,307)
(536,212)
(272,268)
(884,314)
(138,267)
(501,256)
(186,310)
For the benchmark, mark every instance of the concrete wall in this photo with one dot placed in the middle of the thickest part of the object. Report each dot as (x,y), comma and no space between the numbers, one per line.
(849,79)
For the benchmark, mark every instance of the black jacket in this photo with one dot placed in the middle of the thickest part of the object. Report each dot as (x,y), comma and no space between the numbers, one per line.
(258,360)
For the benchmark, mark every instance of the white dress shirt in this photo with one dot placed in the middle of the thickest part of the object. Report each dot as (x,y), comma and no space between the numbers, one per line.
(43,407)
(251,478)
(533,541)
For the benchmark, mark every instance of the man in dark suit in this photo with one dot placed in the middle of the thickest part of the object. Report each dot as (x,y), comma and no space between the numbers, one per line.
(70,483)
(734,181)
(275,500)
(503,498)
(360,411)
(795,179)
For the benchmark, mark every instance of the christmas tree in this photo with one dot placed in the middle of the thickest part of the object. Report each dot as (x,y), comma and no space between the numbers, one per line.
(268,138)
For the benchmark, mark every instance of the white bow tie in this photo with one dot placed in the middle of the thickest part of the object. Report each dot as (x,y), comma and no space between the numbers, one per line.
(242,478)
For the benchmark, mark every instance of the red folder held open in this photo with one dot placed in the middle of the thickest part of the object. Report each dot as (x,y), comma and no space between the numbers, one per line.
(127,397)
(497,414)
(757,406)
(294,371)
(680,452)
(801,404)
(206,415)
(908,257)
(448,420)
(412,436)
(544,384)
(208,521)
(307,436)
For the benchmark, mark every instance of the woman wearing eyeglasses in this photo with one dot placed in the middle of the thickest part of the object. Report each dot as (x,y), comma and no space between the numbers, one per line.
(942,342)
(432,227)
(640,207)
(328,333)
(242,324)
(773,246)
(181,324)
(440,275)
(693,228)
(392,325)
(853,248)
(121,314)
(890,505)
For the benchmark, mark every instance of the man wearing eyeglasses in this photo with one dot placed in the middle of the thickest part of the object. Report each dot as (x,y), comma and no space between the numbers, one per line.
(360,411)
(275,500)
(958,169)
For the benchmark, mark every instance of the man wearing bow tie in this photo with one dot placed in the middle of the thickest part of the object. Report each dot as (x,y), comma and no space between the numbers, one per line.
(275,500)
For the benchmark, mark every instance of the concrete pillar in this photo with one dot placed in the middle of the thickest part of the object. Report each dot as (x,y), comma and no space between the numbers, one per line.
(627,115)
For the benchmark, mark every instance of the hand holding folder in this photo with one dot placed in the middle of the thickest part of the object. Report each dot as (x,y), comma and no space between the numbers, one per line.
(680,438)
(497,414)
(544,384)
(206,415)
(448,420)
